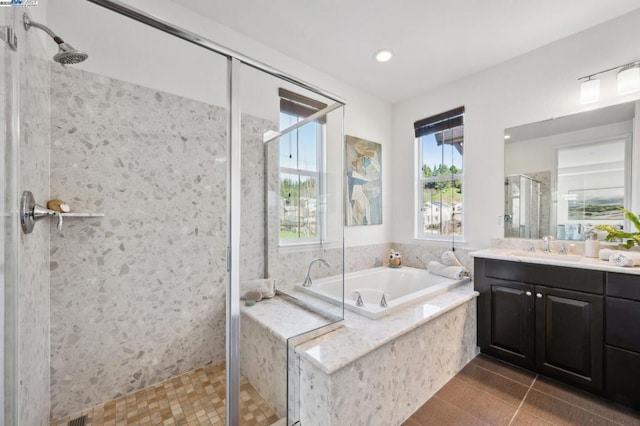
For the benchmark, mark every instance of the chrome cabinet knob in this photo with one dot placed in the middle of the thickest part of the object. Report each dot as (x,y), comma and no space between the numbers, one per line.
(528,293)
(539,295)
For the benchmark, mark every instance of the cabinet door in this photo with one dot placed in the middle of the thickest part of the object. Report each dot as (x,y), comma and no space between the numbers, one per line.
(510,324)
(569,343)
(623,376)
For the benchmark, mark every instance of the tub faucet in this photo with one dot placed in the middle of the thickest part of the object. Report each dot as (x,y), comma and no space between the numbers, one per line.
(383,300)
(307,281)
(359,301)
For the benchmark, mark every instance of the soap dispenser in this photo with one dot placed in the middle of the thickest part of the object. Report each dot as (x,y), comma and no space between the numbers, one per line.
(592,245)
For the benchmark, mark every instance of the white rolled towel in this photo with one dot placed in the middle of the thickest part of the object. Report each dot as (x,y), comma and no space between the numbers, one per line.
(449,258)
(605,254)
(266,286)
(454,272)
(625,259)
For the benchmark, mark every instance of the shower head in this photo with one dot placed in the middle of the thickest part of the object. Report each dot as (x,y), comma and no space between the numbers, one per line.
(66,55)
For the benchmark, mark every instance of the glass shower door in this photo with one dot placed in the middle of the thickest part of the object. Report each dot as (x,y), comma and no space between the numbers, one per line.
(8,220)
(291,220)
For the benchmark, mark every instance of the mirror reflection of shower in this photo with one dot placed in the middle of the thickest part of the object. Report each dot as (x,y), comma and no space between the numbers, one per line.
(67,54)
(522,207)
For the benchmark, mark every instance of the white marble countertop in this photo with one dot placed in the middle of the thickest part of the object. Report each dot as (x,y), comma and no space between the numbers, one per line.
(570,261)
(361,335)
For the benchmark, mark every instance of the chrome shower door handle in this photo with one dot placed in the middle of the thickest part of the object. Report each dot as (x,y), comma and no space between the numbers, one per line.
(30,212)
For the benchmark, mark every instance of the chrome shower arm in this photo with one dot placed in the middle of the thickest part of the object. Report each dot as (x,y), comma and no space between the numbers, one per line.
(28,23)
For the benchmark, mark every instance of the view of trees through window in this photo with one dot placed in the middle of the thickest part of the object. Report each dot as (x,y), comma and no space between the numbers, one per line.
(299,178)
(441,185)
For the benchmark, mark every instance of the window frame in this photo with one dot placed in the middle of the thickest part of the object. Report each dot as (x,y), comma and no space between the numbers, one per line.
(319,174)
(437,123)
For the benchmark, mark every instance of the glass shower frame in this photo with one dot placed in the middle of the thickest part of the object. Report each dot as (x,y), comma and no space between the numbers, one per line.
(9,128)
(235,62)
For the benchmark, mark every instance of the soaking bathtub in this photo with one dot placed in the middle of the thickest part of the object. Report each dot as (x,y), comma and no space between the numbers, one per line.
(405,286)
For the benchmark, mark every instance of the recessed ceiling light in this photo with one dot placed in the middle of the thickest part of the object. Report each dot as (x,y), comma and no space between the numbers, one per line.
(383,56)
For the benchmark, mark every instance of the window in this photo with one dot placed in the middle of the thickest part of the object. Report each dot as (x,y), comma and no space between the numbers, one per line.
(300,169)
(440,148)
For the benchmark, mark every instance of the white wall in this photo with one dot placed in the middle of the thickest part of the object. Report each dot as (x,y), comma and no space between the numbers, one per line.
(533,87)
(122,49)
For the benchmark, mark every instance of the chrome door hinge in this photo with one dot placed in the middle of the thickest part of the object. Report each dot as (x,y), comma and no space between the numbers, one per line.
(9,36)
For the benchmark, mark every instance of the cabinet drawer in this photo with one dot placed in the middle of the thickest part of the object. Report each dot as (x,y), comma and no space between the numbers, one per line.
(622,382)
(623,317)
(505,270)
(583,280)
(623,285)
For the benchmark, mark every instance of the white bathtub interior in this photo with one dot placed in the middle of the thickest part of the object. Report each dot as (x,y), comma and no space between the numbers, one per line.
(404,286)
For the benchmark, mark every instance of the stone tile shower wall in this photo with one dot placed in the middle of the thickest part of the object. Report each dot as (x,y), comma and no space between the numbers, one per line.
(139,295)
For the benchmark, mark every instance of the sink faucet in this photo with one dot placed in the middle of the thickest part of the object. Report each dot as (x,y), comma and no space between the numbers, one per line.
(545,247)
(307,281)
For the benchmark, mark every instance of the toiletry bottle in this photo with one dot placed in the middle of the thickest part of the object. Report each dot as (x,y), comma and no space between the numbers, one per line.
(592,245)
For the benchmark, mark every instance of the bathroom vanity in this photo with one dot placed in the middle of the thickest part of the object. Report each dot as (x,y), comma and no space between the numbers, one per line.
(576,322)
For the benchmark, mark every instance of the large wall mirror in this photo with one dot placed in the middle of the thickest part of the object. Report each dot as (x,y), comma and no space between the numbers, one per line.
(566,175)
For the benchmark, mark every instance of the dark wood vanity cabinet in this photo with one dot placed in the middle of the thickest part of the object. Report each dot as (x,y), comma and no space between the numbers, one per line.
(533,316)
(622,339)
(568,340)
(508,322)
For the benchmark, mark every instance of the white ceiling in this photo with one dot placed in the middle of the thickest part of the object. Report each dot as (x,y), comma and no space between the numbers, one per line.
(433,41)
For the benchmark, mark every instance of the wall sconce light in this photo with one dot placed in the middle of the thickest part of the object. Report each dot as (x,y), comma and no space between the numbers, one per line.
(628,82)
(590,91)
(629,79)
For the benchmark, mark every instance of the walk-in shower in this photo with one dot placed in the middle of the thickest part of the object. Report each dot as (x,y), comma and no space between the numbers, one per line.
(179,193)
(67,54)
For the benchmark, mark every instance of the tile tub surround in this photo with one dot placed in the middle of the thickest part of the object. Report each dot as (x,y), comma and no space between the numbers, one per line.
(290,267)
(378,372)
(139,295)
(419,255)
(33,291)
(443,328)
(264,331)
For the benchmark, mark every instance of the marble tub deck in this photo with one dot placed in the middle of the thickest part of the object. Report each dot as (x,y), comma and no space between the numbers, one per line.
(357,335)
(365,371)
(360,335)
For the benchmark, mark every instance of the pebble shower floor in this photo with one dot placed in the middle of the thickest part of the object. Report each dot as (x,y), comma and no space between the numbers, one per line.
(194,398)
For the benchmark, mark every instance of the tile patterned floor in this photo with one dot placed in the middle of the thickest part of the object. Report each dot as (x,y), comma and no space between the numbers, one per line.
(489,392)
(194,398)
